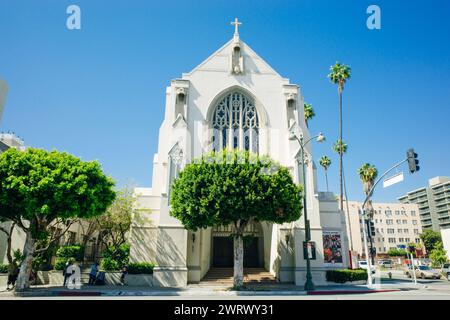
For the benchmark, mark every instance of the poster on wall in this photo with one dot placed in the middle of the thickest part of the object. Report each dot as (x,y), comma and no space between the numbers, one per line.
(332,247)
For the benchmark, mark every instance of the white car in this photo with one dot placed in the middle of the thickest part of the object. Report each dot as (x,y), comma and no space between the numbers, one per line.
(363,265)
(425,272)
(385,263)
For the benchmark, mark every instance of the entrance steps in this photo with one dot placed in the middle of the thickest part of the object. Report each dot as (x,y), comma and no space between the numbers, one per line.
(219,276)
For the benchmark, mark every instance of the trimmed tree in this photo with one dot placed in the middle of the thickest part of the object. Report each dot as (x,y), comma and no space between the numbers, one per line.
(37,187)
(234,188)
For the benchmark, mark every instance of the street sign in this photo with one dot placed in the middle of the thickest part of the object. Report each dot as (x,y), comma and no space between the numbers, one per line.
(393,180)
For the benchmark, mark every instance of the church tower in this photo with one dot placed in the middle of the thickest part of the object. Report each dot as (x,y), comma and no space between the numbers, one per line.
(232,99)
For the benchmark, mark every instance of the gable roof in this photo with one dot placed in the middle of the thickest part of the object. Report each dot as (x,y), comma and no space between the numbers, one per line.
(225,50)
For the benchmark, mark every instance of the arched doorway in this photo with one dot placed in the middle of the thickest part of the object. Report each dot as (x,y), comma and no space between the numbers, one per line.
(222,246)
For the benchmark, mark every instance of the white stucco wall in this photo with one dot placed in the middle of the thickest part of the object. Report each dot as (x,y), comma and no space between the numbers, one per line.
(445,233)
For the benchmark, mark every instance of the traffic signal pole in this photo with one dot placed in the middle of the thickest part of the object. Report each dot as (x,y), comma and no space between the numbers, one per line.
(369,232)
(411,158)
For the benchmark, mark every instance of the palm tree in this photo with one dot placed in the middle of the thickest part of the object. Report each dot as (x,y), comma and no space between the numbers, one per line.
(368,173)
(339,74)
(309,112)
(340,147)
(325,162)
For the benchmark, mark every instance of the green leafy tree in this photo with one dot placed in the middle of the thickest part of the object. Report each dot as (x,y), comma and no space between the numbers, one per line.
(429,238)
(438,255)
(309,112)
(37,187)
(325,162)
(339,74)
(114,225)
(234,188)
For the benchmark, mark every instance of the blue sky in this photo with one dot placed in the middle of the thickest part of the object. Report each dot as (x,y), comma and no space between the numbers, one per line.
(99,92)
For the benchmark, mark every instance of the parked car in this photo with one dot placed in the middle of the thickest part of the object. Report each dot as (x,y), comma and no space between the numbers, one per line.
(407,269)
(425,272)
(385,263)
(363,265)
(446,270)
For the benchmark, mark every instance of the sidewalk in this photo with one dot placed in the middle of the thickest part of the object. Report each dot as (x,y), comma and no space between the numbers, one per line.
(200,290)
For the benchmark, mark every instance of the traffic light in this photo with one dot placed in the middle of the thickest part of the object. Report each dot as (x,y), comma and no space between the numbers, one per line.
(372,228)
(373,251)
(412,161)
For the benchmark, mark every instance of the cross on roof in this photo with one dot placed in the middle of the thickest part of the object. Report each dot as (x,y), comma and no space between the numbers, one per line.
(236,25)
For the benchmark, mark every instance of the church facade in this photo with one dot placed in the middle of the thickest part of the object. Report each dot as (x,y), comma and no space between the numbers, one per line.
(234,99)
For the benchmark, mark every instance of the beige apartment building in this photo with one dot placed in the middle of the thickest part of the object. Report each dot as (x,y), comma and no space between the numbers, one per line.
(395,224)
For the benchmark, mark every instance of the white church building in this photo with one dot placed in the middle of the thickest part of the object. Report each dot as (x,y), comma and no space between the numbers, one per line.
(234,99)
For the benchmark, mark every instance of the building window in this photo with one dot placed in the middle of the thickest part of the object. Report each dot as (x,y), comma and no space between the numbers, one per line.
(388,213)
(417,240)
(390,231)
(392,240)
(397,212)
(235,124)
(414,222)
(416,231)
(405,221)
(403,213)
(401,240)
(398,221)
(389,221)
(405,231)
(407,240)
(413,213)
(399,230)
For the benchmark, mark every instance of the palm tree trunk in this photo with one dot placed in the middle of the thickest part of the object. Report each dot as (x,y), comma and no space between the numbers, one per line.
(341,151)
(326,179)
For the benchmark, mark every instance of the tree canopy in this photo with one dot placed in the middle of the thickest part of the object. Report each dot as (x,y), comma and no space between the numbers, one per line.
(38,186)
(237,188)
(430,238)
(224,187)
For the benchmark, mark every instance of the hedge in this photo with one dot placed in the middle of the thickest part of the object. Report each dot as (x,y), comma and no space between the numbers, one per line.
(115,258)
(75,251)
(66,253)
(141,268)
(3,268)
(346,275)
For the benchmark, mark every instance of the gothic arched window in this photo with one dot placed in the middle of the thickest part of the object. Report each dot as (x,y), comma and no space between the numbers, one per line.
(235,123)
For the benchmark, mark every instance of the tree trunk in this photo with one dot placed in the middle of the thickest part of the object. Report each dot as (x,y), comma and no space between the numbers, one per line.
(326,179)
(238,260)
(341,151)
(23,280)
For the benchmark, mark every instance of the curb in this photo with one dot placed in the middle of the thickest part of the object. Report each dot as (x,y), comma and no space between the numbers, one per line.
(334,292)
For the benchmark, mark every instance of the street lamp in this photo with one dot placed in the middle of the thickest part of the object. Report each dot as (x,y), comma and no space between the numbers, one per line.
(309,285)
